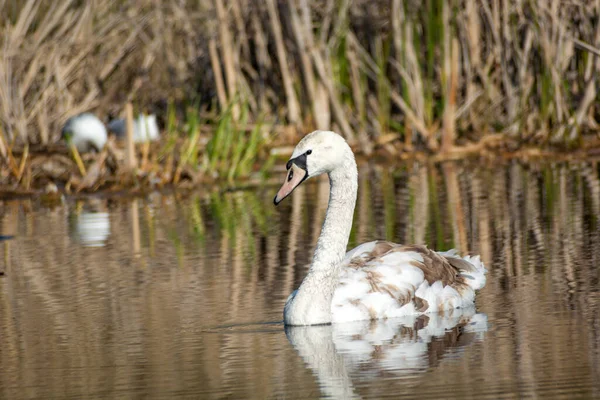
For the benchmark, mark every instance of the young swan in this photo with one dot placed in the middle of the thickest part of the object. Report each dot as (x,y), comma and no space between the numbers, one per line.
(374,280)
(86,132)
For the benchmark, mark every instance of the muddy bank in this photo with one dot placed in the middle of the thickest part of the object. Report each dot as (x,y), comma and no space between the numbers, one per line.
(53,171)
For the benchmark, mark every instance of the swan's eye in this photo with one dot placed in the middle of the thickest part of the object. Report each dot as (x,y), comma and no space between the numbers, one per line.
(308,152)
(291,175)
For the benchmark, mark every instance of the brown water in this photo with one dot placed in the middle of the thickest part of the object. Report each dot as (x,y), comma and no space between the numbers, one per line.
(181,296)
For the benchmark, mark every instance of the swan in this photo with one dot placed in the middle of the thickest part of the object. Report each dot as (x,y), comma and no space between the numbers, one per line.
(376,280)
(86,132)
(145,128)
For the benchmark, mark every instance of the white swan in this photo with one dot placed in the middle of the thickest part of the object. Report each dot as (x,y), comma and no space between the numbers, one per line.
(376,280)
(145,128)
(86,132)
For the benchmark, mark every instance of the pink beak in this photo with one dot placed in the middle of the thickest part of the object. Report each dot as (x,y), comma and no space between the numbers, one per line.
(294,177)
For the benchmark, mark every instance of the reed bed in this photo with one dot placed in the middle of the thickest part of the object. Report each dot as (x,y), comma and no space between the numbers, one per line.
(441,76)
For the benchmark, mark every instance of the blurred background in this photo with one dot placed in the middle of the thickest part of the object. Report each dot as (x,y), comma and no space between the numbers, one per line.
(463,77)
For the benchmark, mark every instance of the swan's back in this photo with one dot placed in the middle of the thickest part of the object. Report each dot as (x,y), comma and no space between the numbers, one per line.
(87,132)
(385,280)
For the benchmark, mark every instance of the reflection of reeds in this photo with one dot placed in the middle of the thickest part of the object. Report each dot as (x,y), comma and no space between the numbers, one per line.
(135,227)
(455,206)
(419,204)
(110,325)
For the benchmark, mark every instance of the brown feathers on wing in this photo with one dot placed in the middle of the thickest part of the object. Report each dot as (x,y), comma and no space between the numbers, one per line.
(435,266)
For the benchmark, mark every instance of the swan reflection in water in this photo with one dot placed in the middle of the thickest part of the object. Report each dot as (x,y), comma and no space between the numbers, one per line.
(401,346)
(92,229)
(89,223)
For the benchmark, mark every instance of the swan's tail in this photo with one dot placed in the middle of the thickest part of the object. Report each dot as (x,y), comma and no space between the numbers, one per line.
(471,268)
(476,279)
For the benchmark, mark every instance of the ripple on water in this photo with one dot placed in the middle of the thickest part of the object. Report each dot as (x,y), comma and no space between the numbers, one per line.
(182,296)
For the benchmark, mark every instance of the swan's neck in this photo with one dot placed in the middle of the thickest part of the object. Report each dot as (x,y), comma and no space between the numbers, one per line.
(311,304)
(331,246)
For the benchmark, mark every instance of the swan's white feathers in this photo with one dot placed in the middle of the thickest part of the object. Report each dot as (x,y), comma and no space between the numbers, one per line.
(376,280)
(386,280)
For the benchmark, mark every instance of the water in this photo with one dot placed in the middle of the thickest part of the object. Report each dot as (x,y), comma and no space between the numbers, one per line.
(181,296)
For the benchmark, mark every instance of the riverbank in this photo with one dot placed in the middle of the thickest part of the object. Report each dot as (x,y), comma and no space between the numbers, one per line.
(184,164)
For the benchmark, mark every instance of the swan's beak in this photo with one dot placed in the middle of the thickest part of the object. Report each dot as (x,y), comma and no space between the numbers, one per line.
(295,176)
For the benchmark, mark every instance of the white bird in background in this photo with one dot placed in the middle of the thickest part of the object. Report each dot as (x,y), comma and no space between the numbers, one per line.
(86,132)
(376,280)
(145,128)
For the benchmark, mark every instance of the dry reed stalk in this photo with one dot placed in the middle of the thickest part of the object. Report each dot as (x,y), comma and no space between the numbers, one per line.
(338,110)
(130,159)
(94,173)
(411,73)
(452,66)
(397,19)
(402,32)
(506,53)
(448,113)
(242,36)
(418,124)
(227,52)
(116,58)
(357,89)
(168,173)
(585,46)
(216,66)
(78,160)
(145,154)
(3,146)
(304,42)
(139,80)
(263,60)
(42,122)
(24,158)
(293,108)
(471,59)
(339,29)
(260,39)
(321,109)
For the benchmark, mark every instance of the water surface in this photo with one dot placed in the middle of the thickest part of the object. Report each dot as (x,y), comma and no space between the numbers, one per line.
(181,296)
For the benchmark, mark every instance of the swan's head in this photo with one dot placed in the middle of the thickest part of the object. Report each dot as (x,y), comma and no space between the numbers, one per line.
(317,153)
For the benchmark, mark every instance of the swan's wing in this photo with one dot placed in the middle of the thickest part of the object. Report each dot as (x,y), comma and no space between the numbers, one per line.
(385,280)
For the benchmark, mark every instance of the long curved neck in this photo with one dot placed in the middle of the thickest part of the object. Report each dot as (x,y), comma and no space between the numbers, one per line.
(332,243)
(311,304)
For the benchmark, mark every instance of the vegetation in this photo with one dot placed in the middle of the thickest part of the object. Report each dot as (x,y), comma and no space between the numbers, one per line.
(392,75)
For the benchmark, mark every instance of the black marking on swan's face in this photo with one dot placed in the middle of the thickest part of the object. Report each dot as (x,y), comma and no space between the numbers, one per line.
(300,161)
(297,173)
